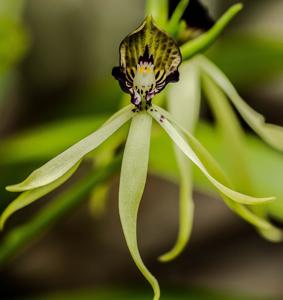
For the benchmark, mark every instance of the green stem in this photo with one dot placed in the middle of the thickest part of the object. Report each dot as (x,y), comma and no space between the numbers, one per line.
(158,9)
(203,42)
(56,210)
(173,23)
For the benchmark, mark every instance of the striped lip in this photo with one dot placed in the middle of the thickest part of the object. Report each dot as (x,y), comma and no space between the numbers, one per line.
(149,60)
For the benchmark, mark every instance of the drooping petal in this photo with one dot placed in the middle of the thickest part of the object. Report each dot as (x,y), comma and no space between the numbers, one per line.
(184,103)
(233,138)
(201,43)
(270,133)
(188,151)
(58,166)
(213,168)
(132,183)
(28,197)
(232,135)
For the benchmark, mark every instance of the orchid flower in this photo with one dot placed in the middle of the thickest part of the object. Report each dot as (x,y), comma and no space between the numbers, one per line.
(150,59)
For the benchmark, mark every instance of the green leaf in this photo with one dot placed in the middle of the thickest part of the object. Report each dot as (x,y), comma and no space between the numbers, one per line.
(184,103)
(203,42)
(43,142)
(262,54)
(270,133)
(13,43)
(158,10)
(188,151)
(132,183)
(26,198)
(129,293)
(59,165)
(12,9)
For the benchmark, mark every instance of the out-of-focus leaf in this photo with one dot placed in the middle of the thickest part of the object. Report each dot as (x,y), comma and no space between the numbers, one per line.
(13,43)
(12,9)
(43,142)
(111,293)
(262,56)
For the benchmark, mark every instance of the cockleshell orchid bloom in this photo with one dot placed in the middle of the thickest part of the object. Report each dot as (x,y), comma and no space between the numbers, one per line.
(149,60)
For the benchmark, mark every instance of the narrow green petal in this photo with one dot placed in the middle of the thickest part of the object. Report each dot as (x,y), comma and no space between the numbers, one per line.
(158,9)
(188,151)
(132,183)
(59,165)
(186,208)
(214,169)
(232,135)
(201,43)
(184,103)
(233,138)
(26,198)
(270,133)
(173,24)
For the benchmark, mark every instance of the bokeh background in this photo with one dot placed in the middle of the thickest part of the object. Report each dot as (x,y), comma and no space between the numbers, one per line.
(55,81)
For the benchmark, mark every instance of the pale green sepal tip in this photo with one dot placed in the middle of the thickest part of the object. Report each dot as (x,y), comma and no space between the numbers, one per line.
(28,197)
(273,234)
(58,166)
(201,43)
(186,208)
(132,182)
(188,151)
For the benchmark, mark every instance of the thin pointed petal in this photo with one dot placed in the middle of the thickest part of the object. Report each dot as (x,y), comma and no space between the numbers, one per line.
(58,166)
(188,151)
(132,183)
(187,93)
(28,197)
(213,168)
(186,208)
(270,133)
(201,43)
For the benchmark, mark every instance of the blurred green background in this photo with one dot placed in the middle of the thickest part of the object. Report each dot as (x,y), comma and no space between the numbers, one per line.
(56,87)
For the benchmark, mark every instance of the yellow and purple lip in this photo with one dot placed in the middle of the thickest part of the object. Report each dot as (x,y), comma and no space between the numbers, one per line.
(149,60)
